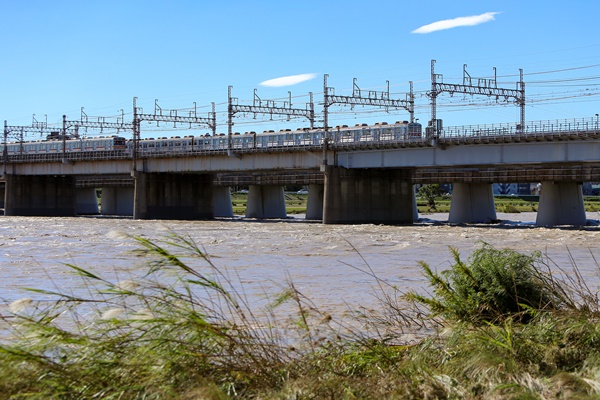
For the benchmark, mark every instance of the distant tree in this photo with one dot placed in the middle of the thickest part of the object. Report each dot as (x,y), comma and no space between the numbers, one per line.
(430,192)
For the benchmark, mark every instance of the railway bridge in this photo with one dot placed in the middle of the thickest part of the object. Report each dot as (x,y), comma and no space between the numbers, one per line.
(366,177)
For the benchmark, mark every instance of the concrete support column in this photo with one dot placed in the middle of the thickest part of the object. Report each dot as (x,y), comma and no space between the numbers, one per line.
(222,201)
(173,196)
(380,196)
(117,201)
(314,206)
(2,194)
(472,203)
(266,201)
(561,203)
(44,196)
(415,208)
(87,201)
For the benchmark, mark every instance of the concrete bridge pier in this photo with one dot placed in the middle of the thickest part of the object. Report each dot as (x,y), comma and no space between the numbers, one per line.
(2,194)
(472,203)
(40,195)
(117,201)
(173,196)
(87,201)
(222,201)
(266,201)
(415,208)
(379,196)
(561,203)
(314,206)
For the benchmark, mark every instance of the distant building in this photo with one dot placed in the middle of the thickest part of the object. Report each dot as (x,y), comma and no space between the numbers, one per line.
(505,189)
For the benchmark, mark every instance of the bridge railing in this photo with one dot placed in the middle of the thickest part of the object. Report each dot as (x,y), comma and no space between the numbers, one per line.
(79,156)
(360,136)
(547,128)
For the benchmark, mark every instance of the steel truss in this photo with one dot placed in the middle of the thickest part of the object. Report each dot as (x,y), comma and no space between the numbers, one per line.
(269,107)
(485,87)
(374,98)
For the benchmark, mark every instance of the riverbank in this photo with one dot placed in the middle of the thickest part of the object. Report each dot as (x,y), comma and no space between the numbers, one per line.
(296,204)
(509,219)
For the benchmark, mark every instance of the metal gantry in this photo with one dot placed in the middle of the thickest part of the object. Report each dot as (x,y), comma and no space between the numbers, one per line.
(101,123)
(266,107)
(169,116)
(485,87)
(18,133)
(373,98)
(85,122)
(471,86)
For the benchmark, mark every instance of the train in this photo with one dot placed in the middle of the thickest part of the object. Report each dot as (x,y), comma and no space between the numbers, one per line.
(343,135)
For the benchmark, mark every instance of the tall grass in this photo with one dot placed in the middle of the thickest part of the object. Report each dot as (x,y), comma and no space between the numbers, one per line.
(500,325)
(170,331)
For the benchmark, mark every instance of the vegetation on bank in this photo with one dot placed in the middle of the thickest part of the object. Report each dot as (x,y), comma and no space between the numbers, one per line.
(429,199)
(294,203)
(499,325)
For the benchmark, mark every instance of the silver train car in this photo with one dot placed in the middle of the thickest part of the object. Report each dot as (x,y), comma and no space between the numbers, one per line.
(401,131)
(72,145)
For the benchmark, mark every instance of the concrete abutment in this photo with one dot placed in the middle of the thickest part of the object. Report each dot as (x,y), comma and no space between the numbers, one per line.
(314,205)
(561,203)
(266,201)
(117,201)
(40,196)
(173,196)
(87,201)
(354,196)
(472,203)
(223,207)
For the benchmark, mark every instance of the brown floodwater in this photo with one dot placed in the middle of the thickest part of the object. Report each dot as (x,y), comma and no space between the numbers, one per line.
(330,264)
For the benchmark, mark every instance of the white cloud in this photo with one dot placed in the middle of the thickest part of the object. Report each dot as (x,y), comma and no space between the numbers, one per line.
(288,80)
(456,22)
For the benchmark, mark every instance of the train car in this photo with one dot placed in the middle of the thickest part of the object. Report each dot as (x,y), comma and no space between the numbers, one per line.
(108,143)
(415,130)
(71,145)
(360,133)
(164,145)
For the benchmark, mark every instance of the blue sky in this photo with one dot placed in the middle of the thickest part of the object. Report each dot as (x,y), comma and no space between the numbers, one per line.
(59,56)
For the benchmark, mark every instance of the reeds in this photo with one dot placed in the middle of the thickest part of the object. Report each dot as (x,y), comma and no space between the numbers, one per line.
(500,325)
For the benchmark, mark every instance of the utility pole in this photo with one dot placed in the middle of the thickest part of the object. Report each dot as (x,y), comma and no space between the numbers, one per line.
(326,103)
(5,148)
(64,139)
(135,139)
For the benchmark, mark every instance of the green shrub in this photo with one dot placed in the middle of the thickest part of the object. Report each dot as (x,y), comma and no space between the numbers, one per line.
(509,208)
(495,284)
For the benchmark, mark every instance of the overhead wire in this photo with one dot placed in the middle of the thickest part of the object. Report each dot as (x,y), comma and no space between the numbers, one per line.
(573,90)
